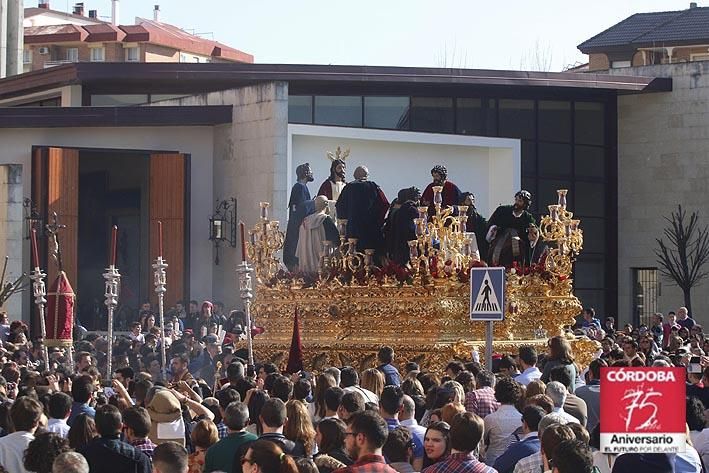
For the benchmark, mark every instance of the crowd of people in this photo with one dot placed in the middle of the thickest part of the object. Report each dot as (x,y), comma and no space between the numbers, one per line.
(207,411)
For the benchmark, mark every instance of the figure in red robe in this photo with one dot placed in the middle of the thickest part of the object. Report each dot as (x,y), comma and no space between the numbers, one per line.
(363,204)
(451,194)
(333,185)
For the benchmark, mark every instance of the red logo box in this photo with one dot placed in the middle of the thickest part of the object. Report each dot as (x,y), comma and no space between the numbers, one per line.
(643,410)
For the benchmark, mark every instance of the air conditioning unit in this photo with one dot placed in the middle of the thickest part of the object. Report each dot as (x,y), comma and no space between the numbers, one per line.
(43,50)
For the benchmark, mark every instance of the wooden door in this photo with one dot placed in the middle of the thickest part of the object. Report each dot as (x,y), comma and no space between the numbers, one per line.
(55,188)
(169,189)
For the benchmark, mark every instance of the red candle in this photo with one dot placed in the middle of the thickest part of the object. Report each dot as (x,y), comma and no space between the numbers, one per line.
(243,242)
(159,238)
(35,253)
(114,238)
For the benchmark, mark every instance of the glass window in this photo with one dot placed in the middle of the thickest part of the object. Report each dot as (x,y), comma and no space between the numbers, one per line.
(132,54)
(589,272)
(72,54)
(590,199)
(434,114)
(590,161)
(336,110)
(516,118)
(300,109)
(594,235)
(589,124)
(118,100)
(546,194)
(386,112)
(26,56)
(491,117)
(554,159)
(469,116)
(161,97)
(98,54)
(554,121)
(529,158)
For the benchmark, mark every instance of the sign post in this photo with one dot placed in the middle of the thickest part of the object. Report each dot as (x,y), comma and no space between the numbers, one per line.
(487,302)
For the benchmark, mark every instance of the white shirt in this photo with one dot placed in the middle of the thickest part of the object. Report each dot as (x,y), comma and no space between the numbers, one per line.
(58,426)
(527,376)
(569,418)
(499,427)
(700,440)
(12,451)
(368,395)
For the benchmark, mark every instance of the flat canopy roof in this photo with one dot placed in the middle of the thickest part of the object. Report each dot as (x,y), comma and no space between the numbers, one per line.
(201,77)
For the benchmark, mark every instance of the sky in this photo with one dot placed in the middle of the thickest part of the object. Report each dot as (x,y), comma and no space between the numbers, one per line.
(512,34)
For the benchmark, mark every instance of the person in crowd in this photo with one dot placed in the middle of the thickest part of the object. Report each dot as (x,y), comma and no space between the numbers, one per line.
(527,445)
(684,319)
(330,439)
(534,463)
(225,397)
(534,388)
(573,404)
(333,399)
(590,393)
(351,403)
(179,367)
(365,436)
(59,410)
(263,456)
(25,414)
(82,431)
(203,436)
(436,443)
(558,393)
(507,366)
(43,450)
(349,381)
(255,403)
(450,410)
(220,456)
(560,354)
(482,401)
(466,433)
(170,457)
(572,456)
(391,403)
(317,408)
(273,418)
(136,427)
(398,452)
(282,388)
(385,356)
(82,392)
(165,408)
(418,432)
(373,380)
(70,462)
(500,424)
(107,453)
(527,357)
(298,428)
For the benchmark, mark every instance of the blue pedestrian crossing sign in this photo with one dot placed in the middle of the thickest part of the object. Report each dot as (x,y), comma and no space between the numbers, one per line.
(487,294)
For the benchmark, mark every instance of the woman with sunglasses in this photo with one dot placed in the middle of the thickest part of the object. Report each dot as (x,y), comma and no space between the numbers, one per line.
(436,443)
(264,456)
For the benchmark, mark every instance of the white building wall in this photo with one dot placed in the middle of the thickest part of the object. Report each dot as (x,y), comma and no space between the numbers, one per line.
(196,141)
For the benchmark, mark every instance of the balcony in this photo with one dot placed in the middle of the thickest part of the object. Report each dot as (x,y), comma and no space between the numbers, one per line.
(48,64)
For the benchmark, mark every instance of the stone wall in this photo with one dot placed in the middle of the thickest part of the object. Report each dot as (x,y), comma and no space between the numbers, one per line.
(11,226)
(250,163)
(663,160)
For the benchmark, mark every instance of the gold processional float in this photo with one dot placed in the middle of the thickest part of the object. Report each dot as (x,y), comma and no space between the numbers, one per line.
(351,308)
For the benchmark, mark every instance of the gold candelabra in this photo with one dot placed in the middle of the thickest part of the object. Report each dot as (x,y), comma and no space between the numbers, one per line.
(265,239)
(561,228)
(441,240)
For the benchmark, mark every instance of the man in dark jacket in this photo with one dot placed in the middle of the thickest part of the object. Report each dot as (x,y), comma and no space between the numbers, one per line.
(107,453)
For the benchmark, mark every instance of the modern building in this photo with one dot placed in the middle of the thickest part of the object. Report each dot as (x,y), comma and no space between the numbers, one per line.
(239,130)
(53,37)
(646,39)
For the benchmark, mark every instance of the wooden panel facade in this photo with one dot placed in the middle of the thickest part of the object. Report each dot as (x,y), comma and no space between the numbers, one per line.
(168,189)
(63,198)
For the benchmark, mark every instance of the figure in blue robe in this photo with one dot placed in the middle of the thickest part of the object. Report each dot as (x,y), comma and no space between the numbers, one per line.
(300,206)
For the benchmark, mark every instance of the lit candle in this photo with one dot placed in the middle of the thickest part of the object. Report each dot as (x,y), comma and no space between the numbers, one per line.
(159,238)
(35,253)
(243,242)
(114,236)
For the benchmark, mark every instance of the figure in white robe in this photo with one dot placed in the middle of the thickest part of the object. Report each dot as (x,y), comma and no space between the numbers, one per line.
(316,228)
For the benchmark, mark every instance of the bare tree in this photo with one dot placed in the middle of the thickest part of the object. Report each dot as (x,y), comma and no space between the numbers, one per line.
(539,57)
(682,260)
(451,57)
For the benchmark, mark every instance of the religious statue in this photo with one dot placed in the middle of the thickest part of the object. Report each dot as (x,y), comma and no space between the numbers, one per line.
(363,204)
(507,232)
(451,194)
(316,228)
(402,228)
(476,223)
(333,185)
(300,206)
